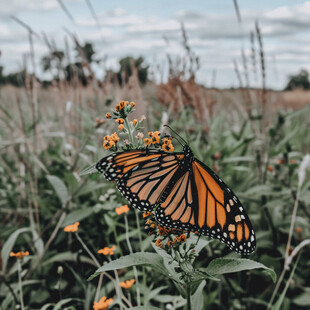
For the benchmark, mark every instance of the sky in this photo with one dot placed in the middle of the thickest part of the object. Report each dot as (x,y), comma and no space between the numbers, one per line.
(152,29)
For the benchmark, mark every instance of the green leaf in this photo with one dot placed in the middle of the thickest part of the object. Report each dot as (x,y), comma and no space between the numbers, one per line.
(77,216)
(59,187)
(196,298)
(8,245)
(63,302)
(135,259)
(238,159)
(229,265)
(302,300)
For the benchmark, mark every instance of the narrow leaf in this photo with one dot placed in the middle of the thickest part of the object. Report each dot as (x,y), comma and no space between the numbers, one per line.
(59,187)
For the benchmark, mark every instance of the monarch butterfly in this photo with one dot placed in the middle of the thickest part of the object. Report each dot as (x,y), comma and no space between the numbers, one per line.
(185,194)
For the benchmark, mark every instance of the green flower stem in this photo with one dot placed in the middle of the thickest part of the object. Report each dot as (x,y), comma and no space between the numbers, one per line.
(117,242)
(87,250)
(20,284)
(188,296)
(134,267)
(128,127)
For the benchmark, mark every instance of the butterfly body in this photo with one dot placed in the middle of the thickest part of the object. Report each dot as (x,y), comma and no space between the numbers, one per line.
(185,194)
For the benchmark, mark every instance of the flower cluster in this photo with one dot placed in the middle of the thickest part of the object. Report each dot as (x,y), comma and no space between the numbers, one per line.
(107,251)
(103,303)
(72,228)
(122,209)
(110,141)
(19,255)
(156,139)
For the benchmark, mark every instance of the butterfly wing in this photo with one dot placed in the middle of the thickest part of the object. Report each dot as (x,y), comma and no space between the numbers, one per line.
(141,175)
(200,201)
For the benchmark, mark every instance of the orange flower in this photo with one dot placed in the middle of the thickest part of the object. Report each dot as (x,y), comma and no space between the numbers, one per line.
(114,137)
(122,104)
(103,303)
(107,250)
(170,243)
(122,209)
(106,138)
(146,214)
(143,118)
(119,121)
(72,228)
(159,243)
(161,230)
(108,144)
(132,104)
(280,161)
(147,142)
(182,238)
(270,169)
(118,108)
(292,161)
(19,255)
(298,230)
(168,147)
(108,115)
(127,284)
(135,122)
(121,127)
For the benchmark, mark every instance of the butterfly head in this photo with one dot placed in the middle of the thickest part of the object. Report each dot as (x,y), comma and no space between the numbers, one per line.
(188,153)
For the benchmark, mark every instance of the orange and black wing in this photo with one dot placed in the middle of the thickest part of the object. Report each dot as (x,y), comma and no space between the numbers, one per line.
(141,175)
(200,201)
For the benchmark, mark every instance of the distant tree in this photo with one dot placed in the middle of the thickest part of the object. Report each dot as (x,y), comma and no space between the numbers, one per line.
(16,78)
(126,66)
(300,80)
(53,63)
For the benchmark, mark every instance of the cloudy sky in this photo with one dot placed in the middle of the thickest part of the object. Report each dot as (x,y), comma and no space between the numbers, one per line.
(139,28)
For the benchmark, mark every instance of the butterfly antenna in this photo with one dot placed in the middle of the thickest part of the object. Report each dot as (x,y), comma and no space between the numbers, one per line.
(176,134)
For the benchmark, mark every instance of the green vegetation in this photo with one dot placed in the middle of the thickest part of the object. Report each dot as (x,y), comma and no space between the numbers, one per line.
(256,152)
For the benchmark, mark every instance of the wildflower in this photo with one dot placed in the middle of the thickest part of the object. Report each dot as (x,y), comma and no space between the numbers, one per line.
(107,250)
(19,255)
(292,161)
(168,147)
(166,141)
(143,118)
(182,238)
(108,144)
(146,214)
(298,230)
(270,169)
(140,135)
(159,243)
(119,121)
(132,104)
(106,138)
(216,156)
(280,161)
(122,103)
(118,108)
(155,138)
(114,137)
(103,303)
(127,284)
(147,142)
(161,230)
(170,243)
(126,102)
(122,209)
(121,127)
(135,122)
(108,115)
(72,228)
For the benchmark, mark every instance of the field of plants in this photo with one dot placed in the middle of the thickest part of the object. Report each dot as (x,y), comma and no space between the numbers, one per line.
(68,241)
